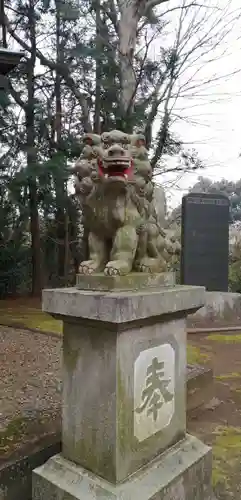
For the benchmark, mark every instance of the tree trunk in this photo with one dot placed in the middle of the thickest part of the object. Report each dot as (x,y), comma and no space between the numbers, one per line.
(127,43)
(61,211)
(66,248)
(131,11)
(35,237)
(32,160)
(98,72)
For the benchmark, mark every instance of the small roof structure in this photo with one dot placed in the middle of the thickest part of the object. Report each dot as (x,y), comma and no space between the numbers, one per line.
(8,60)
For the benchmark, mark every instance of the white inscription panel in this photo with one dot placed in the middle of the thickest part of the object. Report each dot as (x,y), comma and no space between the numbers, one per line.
(154,390)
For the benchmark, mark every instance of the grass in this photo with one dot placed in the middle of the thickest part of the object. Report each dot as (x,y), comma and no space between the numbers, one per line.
(14,313)
(195,356)
(228,376)
(226,440)
(12,434)
(27,313)
(226,339)
(226,454)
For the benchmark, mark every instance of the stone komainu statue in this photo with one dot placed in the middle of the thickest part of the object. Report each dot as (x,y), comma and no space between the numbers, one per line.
(114,183)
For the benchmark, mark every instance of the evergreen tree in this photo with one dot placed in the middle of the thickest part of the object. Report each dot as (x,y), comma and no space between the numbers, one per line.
(89,65)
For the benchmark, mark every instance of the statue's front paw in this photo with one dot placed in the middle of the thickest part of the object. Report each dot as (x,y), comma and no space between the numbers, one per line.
(111,271)
(143,268)
(88,267)
(115,267)
(151,265)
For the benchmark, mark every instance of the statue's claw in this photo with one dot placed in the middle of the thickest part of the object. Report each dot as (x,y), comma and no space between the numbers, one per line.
(110,271)
(88,267)
(151,265)
(117,267)
(142,268)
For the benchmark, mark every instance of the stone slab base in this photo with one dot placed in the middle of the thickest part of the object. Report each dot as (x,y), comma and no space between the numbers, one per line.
(16,475)
(221,309)
(182,473)
(132,281)
(199,388)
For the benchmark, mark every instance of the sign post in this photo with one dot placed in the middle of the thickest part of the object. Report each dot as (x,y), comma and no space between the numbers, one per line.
(205,241)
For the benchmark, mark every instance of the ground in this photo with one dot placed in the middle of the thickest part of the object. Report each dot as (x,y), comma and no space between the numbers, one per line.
(30,388)
(220,425)
(26,312)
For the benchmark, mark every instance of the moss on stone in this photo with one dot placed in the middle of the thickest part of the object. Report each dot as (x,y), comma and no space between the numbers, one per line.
(131,281)
(71,354)
(12,434)
(227,339)
(95,456)
(124,410)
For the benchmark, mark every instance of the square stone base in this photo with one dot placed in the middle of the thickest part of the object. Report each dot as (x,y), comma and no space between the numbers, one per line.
(132,281)
(182,473)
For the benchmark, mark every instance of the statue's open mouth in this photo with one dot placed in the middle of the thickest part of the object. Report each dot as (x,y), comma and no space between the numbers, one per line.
(115,167)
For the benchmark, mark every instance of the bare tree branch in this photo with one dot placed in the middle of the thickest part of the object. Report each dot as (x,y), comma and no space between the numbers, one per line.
(63,71)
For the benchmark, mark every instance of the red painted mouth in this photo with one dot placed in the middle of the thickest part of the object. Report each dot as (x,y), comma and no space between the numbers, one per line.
(117,167)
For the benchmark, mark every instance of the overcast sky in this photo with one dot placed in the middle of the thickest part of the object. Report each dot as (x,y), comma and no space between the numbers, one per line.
(213,116)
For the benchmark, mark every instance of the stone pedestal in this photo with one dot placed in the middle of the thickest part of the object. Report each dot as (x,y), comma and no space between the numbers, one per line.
(124,398)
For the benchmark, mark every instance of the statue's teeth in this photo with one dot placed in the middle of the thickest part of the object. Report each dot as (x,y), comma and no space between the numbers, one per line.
(106,176)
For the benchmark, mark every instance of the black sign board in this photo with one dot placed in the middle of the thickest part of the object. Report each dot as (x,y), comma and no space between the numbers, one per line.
(205,241)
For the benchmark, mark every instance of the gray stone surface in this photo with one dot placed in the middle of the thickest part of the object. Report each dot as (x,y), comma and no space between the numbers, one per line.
(16,475)
(182,473)
(131,281)
(104,373)
(124,376)
(200,388)
(220,309)
(159,200)
(122,307)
